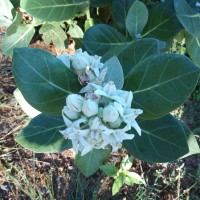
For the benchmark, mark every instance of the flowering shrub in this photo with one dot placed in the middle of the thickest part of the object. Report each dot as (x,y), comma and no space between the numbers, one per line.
(117,93)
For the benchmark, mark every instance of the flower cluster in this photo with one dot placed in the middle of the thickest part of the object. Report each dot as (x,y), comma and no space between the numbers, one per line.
(104,115)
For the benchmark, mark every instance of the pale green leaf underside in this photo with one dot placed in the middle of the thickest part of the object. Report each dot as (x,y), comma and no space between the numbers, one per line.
(162,140)
(20,38)
(193,48)
(189,18)
(55,34)
(54,10)
(42,135)
(161,83)
(114,72)
(89,163)
(136,19)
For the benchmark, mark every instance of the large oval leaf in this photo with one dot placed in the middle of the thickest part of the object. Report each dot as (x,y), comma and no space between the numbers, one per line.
(51,10)
(193,48)
(42,135)
(119,13)
(43,79)
(138,51)
(162,140)
(188,17)
(20,38)
(105,41)
(161,83)
(89,163)
(162,23)
(136,19)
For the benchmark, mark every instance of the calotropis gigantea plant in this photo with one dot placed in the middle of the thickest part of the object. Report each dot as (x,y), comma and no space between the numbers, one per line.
(92,106)
(91,103)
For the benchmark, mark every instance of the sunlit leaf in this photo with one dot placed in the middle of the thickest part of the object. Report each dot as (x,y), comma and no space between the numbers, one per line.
(20,38)
(51,33)
(51,10)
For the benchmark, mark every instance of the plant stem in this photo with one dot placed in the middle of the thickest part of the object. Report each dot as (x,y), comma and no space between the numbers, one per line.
(88,14)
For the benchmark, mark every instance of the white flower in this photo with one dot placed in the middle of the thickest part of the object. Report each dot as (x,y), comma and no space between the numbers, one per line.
(95,64)
(110,114)
(80,60)
(89,108)
(74,102)
(70,114)
(109,91)
(119,136)
(129,118)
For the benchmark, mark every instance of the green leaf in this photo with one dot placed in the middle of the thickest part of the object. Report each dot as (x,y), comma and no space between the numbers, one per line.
(118,183)
(5,13)
(191,141)
(26,107)
(43,79)
(162,140)
(109,170)
(162,23)
(15,24)
(138,51)
(188,17)
(161,83)
(42,135)
(16,3)
(114,72)
(51,10)
(126,163)
(52,33)
(20,38)
(193,48)
(104,41)
(77,34)
(97,3)
(134,178)
(119,13)
(136,19)
(89,23)
(89,163)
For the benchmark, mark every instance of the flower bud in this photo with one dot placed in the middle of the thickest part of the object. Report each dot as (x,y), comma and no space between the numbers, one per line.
(90,108)
(70,114)
(116,124)
(110,114)
(74,102)
(80,60)
(110,88)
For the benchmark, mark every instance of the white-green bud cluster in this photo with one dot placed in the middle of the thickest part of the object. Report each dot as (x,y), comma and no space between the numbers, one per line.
(95,124)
